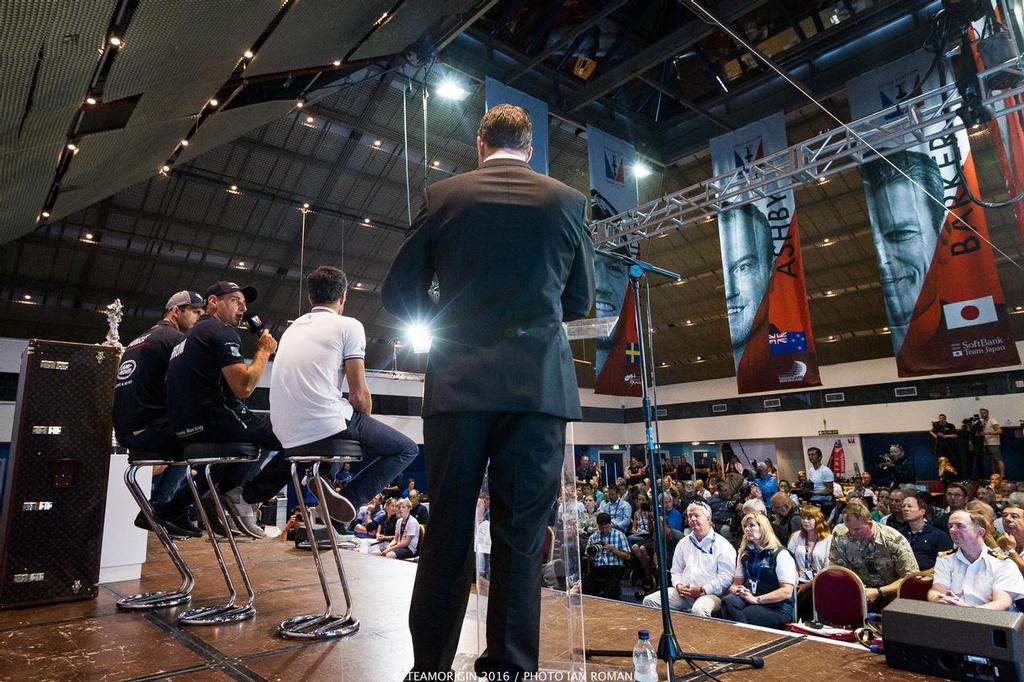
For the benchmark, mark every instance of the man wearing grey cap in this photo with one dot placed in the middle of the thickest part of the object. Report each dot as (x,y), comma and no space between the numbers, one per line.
(208,382)
(140,402)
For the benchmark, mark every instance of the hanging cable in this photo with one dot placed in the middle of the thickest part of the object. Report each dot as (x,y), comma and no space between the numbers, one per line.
(302,256)
(695,6)
(405,148)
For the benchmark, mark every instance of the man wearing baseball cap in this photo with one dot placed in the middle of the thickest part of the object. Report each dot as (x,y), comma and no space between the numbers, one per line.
(140,403)
(208,382)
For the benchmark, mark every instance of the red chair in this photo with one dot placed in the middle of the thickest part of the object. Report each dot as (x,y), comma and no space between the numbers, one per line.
(839,597)
(915,586)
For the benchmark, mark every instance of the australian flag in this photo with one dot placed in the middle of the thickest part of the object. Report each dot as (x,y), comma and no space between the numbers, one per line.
(781,343)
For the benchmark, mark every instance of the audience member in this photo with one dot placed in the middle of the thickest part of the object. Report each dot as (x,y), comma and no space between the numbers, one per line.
(643,522)
(635,472)
(787,516)
(878,554)
(1012,539)
(944,435)
(343,476)
(417,509)
(407,532)
(646,557)
(702,567)
(974,575)
(685,471)
(383,527)
(618,509)
(956,499)
(895,518)
(585,473)
(764,580)
(410,485)
(608,562)
(766,481)
(881,509)
(673,517)
(820,478)
(896,467)
(588,519)
(868,491)
(361,524)
(991,431)
(926,540)
(809,546)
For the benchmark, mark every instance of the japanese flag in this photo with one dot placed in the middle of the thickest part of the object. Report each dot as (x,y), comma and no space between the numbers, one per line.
(969,313)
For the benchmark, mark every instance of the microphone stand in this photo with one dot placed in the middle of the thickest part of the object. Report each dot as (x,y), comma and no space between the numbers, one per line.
(668,646)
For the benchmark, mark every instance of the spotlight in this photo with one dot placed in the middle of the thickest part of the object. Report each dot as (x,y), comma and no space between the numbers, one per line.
(88,235)
(641,170)
(419,337)
(449,89)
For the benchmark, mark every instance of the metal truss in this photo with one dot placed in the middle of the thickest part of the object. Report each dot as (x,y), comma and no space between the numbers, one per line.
(909,124)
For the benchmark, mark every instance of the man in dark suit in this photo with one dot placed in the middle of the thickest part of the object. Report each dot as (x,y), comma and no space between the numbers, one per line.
(513,260)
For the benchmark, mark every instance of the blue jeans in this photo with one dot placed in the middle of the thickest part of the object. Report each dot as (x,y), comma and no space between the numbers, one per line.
(391,453)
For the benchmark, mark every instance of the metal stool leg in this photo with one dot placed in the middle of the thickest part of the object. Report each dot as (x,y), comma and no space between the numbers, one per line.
(325,625)
(161,599)
(220,613)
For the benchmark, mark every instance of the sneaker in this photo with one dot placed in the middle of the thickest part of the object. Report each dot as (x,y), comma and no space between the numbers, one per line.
(242,512)
(338,506)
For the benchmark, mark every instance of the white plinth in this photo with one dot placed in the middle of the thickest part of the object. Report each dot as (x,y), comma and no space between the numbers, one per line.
(124,545)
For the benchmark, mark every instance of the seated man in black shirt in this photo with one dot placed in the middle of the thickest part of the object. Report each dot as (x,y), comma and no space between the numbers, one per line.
(140,405)
(208,381)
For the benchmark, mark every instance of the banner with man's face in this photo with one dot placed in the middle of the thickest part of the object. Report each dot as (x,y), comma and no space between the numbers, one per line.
(765,294)
(943,298)
(612,191)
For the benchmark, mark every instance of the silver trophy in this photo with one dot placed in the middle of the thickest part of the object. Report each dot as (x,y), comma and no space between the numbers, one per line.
(115,311)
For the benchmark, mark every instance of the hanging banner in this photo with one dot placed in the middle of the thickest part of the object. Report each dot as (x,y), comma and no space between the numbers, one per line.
(765,295)
(943,298)
(621,372)
(496,92)
(612,191)
(841,454)
(1007,131)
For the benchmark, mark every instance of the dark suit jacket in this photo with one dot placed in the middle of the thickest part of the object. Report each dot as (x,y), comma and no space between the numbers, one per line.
(513,260)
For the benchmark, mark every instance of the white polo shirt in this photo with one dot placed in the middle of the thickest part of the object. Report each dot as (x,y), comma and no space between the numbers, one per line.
(822,478)
(306,402)
(974,582)
(708,563)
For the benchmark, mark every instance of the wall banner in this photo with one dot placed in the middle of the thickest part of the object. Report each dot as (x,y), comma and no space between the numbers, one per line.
(765,294)
(612,191)
(496,92)
(943,297)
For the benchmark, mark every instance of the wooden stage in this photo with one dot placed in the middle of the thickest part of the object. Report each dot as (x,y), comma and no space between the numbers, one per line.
(92,640)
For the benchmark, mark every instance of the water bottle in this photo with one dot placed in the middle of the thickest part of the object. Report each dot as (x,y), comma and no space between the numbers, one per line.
(645,661)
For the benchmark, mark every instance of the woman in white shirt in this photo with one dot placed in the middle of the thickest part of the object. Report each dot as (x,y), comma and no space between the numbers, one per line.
(809,546)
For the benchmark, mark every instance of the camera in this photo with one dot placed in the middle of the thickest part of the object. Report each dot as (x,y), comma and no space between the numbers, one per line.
(592,551)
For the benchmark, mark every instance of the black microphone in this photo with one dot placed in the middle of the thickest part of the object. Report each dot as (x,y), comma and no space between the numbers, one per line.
(253,322)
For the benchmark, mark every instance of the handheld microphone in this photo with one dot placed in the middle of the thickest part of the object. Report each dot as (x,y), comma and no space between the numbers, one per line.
(253,322)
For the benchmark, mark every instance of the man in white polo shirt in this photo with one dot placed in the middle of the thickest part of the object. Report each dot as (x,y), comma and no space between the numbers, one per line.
(317,352)
(702,567)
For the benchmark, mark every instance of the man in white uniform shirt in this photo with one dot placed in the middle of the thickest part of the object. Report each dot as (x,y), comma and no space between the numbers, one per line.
(702,567)
(317,352)
(972,574)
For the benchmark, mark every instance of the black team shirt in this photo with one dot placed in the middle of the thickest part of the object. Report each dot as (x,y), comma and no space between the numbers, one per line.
(140,396)
(197,393)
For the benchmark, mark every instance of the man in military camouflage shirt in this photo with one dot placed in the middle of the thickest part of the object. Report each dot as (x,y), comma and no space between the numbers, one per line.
(879,555)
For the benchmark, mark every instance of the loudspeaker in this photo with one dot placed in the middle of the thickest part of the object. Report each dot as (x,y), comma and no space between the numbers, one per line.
(954,642)
(55,484)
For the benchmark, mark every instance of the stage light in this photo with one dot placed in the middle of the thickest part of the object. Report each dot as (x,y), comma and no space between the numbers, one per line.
(366,221)
(449,89)
(419,338)
(641,170)
(822,180)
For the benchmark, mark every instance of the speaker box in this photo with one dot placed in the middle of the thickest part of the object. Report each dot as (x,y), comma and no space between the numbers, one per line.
(55,484)
(953,642)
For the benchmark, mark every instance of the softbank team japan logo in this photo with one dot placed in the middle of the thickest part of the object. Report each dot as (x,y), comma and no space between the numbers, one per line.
(614,167)
(969,313)
(957,350)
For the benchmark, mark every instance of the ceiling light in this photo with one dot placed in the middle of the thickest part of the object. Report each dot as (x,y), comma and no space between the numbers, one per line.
(449,89)
(165,169)
(115,41)
(830,293)
(247,54)
(437,164)
(831,338)
(90,100)
(694,442)
(1020,307)
(377,143)
(184,143)
(359,285)
(72,147)
(336,62)
(822,180)
(45,214)
(299,103)
(88,235)
(709,219)
(27,297)
(419,337)
(241,263)
(366,221)
(641,170)
(305,206)
(234,188)
(214,102)
(310,119)
(689,322)
(664,364)
(700,358)
(826,241)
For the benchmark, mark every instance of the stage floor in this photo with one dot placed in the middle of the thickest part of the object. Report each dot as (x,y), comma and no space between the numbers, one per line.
(92,640)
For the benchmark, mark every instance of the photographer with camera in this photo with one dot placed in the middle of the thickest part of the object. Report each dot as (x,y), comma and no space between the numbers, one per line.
(944,435)
(895,467)
(608,551)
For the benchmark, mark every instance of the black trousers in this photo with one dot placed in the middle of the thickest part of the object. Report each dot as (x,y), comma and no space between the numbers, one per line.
(604,581)
(526,451)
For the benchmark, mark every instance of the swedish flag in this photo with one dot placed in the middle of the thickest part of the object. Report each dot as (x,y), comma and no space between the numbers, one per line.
(633,353)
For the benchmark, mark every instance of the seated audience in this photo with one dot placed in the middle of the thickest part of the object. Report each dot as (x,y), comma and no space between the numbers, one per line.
(673,517)
(787,516)
(764,580)
(881,509)
(407,533)
(926,540)
(617,509)
(383,527)
(585,473)
(766,481)
(1012,539)
(608,562)
(643,522)
(645,571)
(974,575)
(809,547)
(588,518)
(879,555)
(365,517)
(410,485)
(956,499)
(896,498)
(702,567)
(343,476)
(417,509)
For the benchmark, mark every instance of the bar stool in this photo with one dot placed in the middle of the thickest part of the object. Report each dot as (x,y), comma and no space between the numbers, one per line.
(138,458)
(326,625)
(206,455)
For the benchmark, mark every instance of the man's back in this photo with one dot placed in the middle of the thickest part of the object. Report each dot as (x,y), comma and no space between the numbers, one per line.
(513,261)
(140,396)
